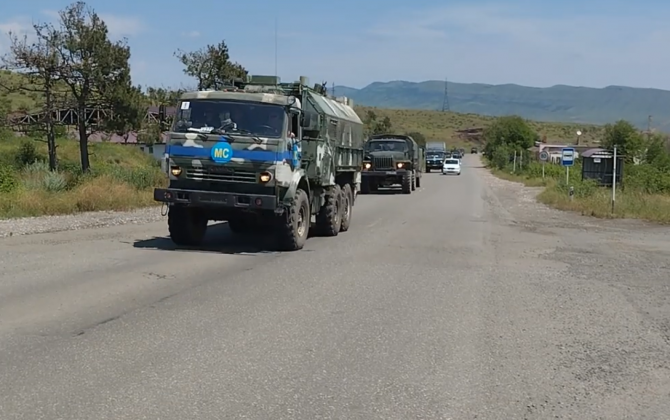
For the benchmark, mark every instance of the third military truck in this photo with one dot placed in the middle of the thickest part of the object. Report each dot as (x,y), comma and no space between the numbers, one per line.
(392,159)
(264,156)
(436,153)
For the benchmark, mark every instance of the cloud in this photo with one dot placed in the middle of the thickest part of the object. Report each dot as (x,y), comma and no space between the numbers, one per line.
(118,26)
(18,26)
(502,43)
(192,34)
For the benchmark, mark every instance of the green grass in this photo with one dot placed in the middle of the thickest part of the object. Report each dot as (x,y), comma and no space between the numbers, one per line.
(645,196)
(122,178)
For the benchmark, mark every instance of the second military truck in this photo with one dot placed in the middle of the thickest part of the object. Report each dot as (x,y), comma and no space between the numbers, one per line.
(264,156)
(392,159)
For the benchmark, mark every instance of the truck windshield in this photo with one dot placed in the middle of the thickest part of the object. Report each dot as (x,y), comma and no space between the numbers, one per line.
(246,118)
(386,146)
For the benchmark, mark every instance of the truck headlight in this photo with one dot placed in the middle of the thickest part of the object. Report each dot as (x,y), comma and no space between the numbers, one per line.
(400,165)
(265,177)
(175,171)
(368,165)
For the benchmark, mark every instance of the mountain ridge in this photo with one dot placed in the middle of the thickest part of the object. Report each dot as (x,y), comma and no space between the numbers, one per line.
(558,103)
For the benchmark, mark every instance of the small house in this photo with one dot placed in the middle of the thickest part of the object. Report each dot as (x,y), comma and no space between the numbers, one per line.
(598,164)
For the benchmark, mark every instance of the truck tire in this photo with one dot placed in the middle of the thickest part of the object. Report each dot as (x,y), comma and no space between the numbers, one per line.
(347,207)
(418,181)
(293,225)
(329,218)
(407,183)
(414,181)
(187,226)
(427,170)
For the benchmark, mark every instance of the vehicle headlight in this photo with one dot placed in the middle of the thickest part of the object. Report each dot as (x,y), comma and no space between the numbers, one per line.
(368,165)
(175,170)
(265,177)
(400,165)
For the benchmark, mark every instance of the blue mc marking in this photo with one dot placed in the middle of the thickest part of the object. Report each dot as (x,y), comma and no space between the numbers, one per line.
(223,152)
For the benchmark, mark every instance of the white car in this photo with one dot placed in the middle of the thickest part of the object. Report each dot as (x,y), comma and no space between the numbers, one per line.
(451,167)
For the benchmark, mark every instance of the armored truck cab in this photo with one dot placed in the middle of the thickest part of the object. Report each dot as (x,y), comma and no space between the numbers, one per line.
(262,155)
(436,153)
(392,159)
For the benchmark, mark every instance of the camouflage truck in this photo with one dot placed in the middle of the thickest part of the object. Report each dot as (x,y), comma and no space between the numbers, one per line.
(392,159)
(262,155)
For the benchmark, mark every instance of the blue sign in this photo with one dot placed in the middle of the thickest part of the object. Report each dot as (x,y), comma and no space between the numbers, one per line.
(568,156)
(222,152)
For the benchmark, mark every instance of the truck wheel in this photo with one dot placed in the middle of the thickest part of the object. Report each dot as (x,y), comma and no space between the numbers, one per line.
(293,226)
(414,181)
(407,183)
(347,207)
(329,219)
(187,226)
(418,181)
(427,170)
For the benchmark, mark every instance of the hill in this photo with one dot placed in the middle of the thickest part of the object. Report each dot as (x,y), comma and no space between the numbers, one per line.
(560,103)
(445,126)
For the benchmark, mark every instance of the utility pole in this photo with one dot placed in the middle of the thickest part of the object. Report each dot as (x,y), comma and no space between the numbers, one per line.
(445,99)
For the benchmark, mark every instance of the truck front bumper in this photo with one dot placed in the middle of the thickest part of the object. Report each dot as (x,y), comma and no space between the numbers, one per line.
(196,198)
(383,174)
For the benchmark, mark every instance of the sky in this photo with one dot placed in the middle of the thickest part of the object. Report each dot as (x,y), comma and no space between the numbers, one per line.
(592,43)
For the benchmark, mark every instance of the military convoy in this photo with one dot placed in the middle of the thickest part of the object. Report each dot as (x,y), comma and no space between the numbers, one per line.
(262,155)
(392,159)
(278,157)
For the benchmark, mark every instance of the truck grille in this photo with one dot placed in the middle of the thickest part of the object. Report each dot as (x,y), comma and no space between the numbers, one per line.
(383,163)
(218,173)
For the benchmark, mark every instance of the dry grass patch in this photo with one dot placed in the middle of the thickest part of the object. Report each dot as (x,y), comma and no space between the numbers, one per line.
(121,178)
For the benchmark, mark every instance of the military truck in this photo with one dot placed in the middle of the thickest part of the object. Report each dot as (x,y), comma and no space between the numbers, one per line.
(262,155)
(392,159)
(436,153)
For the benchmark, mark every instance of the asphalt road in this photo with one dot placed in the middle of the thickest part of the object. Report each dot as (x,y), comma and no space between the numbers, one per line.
(461,301)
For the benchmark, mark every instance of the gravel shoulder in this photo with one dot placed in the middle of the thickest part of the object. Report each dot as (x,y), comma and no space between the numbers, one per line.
(606,289)
(60,223)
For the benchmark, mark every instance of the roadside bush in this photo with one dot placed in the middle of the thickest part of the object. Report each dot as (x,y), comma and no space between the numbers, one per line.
(9,180)
(121,178)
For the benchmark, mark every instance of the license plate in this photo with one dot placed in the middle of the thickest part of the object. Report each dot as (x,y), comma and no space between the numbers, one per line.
(390,172)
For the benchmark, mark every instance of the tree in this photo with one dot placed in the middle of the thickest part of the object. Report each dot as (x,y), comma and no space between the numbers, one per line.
(418,137)
(512,132)
(374,126)
(95,69)
(163,96)
(210,66)
(626,138)
(657,152)
(38,65)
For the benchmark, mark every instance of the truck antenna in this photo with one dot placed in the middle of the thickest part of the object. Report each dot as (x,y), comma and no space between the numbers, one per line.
(276,47)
